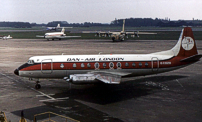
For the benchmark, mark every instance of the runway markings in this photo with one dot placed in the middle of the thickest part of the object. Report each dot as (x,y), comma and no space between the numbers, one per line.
(44,95)
(54,99)
(179,83)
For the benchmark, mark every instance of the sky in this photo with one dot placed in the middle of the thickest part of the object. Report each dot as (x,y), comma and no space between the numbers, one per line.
(101,11)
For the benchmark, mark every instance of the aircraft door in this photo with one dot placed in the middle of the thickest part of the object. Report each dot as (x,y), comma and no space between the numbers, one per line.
(47,66)
(154,64)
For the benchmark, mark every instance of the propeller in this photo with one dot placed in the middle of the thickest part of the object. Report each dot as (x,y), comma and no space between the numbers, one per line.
(126,36)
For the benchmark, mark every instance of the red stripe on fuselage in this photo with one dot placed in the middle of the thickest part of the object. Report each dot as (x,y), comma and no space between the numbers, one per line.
(173,62)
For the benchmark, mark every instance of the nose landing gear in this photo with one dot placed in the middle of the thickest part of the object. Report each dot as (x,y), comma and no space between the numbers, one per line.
(37,86)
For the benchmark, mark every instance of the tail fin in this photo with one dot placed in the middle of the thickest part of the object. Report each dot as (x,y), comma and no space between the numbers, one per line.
(186,45)
(9,36)
(58,26)
(123,29)
(63,30)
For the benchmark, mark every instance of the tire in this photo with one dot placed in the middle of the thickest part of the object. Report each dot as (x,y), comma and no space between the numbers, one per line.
(37,86)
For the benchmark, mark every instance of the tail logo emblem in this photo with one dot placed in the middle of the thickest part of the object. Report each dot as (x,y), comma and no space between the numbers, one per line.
(187,43)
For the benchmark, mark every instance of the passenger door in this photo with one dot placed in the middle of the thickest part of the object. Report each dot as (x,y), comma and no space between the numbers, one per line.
(155,64)
(47,66)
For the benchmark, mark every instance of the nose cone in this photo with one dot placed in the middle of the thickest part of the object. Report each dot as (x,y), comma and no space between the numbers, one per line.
(16,72)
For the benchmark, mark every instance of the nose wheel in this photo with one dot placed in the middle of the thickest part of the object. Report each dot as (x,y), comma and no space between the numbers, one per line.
(37,86)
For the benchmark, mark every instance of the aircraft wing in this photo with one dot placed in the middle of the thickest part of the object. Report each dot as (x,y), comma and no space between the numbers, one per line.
(109,77)
(103,76)
(100,33)
(62,37)
(139,32)
(39,36)
(115,79)
(64,27)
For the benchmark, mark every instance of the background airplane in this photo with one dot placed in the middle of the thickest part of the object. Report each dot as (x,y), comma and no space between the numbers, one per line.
(56,35)
(6,37)
(118,36)
(55,28)
(111,68)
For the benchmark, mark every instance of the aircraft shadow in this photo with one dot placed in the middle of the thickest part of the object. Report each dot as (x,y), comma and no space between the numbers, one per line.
(106,94)
(102,94)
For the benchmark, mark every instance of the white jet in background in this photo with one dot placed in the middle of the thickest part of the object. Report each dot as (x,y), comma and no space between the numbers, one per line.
(56,35)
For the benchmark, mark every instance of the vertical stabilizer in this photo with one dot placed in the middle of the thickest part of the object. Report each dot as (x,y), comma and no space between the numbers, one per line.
(186,45)
(58,26)
(123,29)
(63,30)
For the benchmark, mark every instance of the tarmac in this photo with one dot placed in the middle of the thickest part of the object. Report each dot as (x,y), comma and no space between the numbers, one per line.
(171,96)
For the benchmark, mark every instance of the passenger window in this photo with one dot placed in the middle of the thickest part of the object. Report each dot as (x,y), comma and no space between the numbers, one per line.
(118,65)
(140,64)
(146,64)
(127,65)
(74,65)
(82,65)
(88,65)
(104,65)
(96,65)
(111,65)
(133,64)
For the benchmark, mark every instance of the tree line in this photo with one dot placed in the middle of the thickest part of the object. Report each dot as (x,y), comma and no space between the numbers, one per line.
(132,22)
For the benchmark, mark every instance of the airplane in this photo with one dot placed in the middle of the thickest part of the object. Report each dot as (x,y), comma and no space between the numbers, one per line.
(6,37)
(111,68)
(118,36)
(56,35)
(55,28)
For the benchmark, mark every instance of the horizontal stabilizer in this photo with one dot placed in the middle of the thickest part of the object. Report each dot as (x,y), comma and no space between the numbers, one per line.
(39,36)
(192,58)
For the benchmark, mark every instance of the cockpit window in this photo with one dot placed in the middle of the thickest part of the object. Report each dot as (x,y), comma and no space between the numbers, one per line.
(30,62)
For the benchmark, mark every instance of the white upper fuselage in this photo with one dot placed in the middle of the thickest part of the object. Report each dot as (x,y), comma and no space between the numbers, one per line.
(100,58)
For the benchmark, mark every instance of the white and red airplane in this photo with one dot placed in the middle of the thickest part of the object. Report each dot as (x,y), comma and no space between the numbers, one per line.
(56,35)
(111,68)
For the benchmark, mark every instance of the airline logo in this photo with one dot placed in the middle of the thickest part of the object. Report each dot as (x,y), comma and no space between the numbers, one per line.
(187,43)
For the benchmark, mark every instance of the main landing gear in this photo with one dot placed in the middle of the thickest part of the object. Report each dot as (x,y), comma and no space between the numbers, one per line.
(37,86)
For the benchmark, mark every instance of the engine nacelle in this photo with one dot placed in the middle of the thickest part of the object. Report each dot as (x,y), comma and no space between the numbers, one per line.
(137,35)
(97,34)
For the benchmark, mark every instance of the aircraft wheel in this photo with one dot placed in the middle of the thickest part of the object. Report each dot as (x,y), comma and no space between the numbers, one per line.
(37,86)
